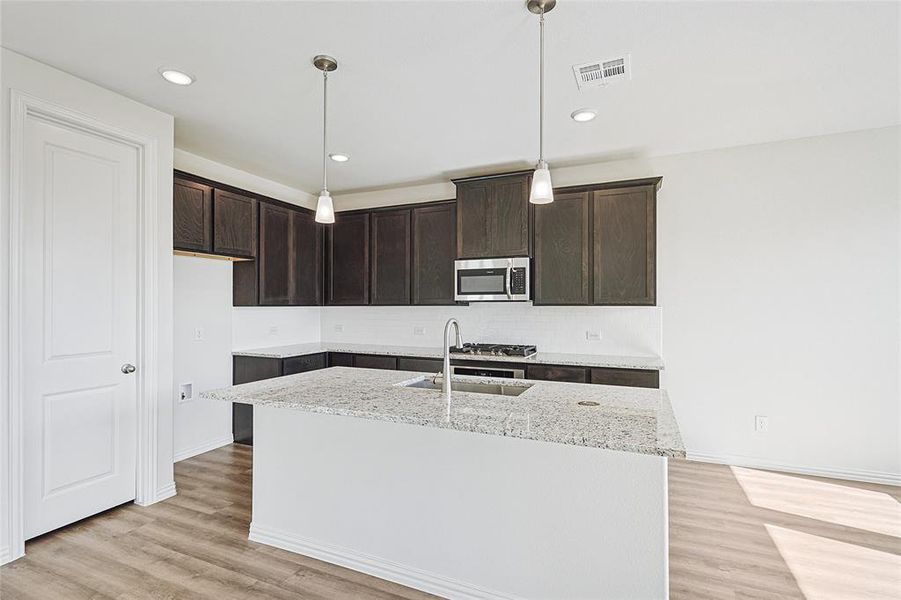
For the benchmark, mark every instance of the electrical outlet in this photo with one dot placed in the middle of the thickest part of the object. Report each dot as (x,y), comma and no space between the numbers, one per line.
(417,330)
(186,392)
(339,328)
(593,335)
(273,330)
(198,334)
(761,424)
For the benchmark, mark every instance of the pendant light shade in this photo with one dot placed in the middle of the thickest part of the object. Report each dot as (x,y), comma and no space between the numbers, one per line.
(542,191)
(325,208)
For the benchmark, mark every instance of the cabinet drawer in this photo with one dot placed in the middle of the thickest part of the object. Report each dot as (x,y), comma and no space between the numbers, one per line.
(340,359)
(420,365)
(367,361)
(553,373)
(302,364)
(626,377)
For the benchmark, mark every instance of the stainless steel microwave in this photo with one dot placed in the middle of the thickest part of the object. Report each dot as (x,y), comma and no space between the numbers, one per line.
(492,279)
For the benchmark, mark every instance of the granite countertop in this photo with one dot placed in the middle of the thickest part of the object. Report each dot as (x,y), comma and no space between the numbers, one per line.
(639,420)
(654,363)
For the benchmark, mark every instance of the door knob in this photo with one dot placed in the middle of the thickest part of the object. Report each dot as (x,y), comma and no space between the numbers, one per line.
(127,368)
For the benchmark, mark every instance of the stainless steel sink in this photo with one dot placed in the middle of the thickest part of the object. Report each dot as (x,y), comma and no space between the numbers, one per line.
(473,387)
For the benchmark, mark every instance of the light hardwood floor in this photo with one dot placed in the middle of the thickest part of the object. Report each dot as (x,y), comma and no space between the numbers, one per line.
(734,533)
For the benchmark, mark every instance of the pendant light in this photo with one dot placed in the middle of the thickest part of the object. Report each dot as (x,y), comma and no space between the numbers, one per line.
(325,208)
(542,191)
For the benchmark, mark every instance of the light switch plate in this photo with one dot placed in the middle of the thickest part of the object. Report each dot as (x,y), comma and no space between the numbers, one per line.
(593,335)
(417,330)
(339,328)
(198,334)
(273,330)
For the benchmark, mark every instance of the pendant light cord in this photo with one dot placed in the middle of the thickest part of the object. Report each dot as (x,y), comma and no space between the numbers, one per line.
(324,126)
(541,91)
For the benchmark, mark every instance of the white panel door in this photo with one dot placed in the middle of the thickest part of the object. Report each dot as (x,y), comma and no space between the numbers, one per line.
(79,298)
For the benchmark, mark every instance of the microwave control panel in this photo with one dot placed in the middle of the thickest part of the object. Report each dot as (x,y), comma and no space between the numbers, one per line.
(518,280)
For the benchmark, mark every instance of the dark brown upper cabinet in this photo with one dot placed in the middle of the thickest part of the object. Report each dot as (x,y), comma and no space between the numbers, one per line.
(192,216)
(348,260)
(390,269)
(434,248)
(234,224)
(275,255)
(493,215)
(562,266)
(624,245)
(305,283)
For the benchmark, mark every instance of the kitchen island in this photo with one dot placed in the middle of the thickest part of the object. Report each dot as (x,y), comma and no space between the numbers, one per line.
(555,490)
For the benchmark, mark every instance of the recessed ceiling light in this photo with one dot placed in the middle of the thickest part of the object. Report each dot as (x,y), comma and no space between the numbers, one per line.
(339,157)
(176,77)
(584,114)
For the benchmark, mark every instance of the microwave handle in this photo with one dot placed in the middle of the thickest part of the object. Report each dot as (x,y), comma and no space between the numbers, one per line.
(508,280)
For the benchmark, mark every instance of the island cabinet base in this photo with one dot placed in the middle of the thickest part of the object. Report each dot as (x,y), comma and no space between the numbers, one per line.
(458,514)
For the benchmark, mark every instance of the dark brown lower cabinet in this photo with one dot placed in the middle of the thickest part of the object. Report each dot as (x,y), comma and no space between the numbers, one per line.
(340,359)
(554,373)
(255,368)
(369,361)
(419,365)
(646,378)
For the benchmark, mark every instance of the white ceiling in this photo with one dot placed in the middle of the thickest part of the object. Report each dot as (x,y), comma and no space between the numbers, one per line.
(428,90)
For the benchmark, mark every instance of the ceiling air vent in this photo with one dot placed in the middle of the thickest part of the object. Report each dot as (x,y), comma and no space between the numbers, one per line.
(603,72)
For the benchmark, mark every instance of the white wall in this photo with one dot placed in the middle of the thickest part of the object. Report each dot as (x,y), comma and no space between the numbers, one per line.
(203,301)
(47,83)
(779,287)
(626,331)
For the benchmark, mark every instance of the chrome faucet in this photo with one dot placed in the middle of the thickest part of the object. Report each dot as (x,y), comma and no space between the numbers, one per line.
(446,383)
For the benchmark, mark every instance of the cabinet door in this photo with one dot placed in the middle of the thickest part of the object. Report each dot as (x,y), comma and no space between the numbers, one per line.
(509,217)
(348,258)
(420,365)
(390,269)
(340,359)
(244,370)
(562,250)
(624,246)
(306,260)
(553,373)
(192,216)
(302,364)
(275,258)
(473,223)
(434,248)
(628,377)
(369,361)
(234,225)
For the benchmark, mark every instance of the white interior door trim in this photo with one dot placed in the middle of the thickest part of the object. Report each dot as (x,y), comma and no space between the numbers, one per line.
(22,107)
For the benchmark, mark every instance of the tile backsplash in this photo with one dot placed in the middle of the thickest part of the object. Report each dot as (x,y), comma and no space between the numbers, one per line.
(631,331)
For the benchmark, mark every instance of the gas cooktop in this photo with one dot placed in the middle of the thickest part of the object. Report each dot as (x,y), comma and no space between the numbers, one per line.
(495,350)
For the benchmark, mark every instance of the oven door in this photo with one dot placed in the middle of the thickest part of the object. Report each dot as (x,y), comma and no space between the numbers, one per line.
(489,280)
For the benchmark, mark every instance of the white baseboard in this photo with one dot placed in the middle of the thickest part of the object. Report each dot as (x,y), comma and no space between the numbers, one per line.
(167,491)
(375,566)
(204,447)
(4,555)
(760,463)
